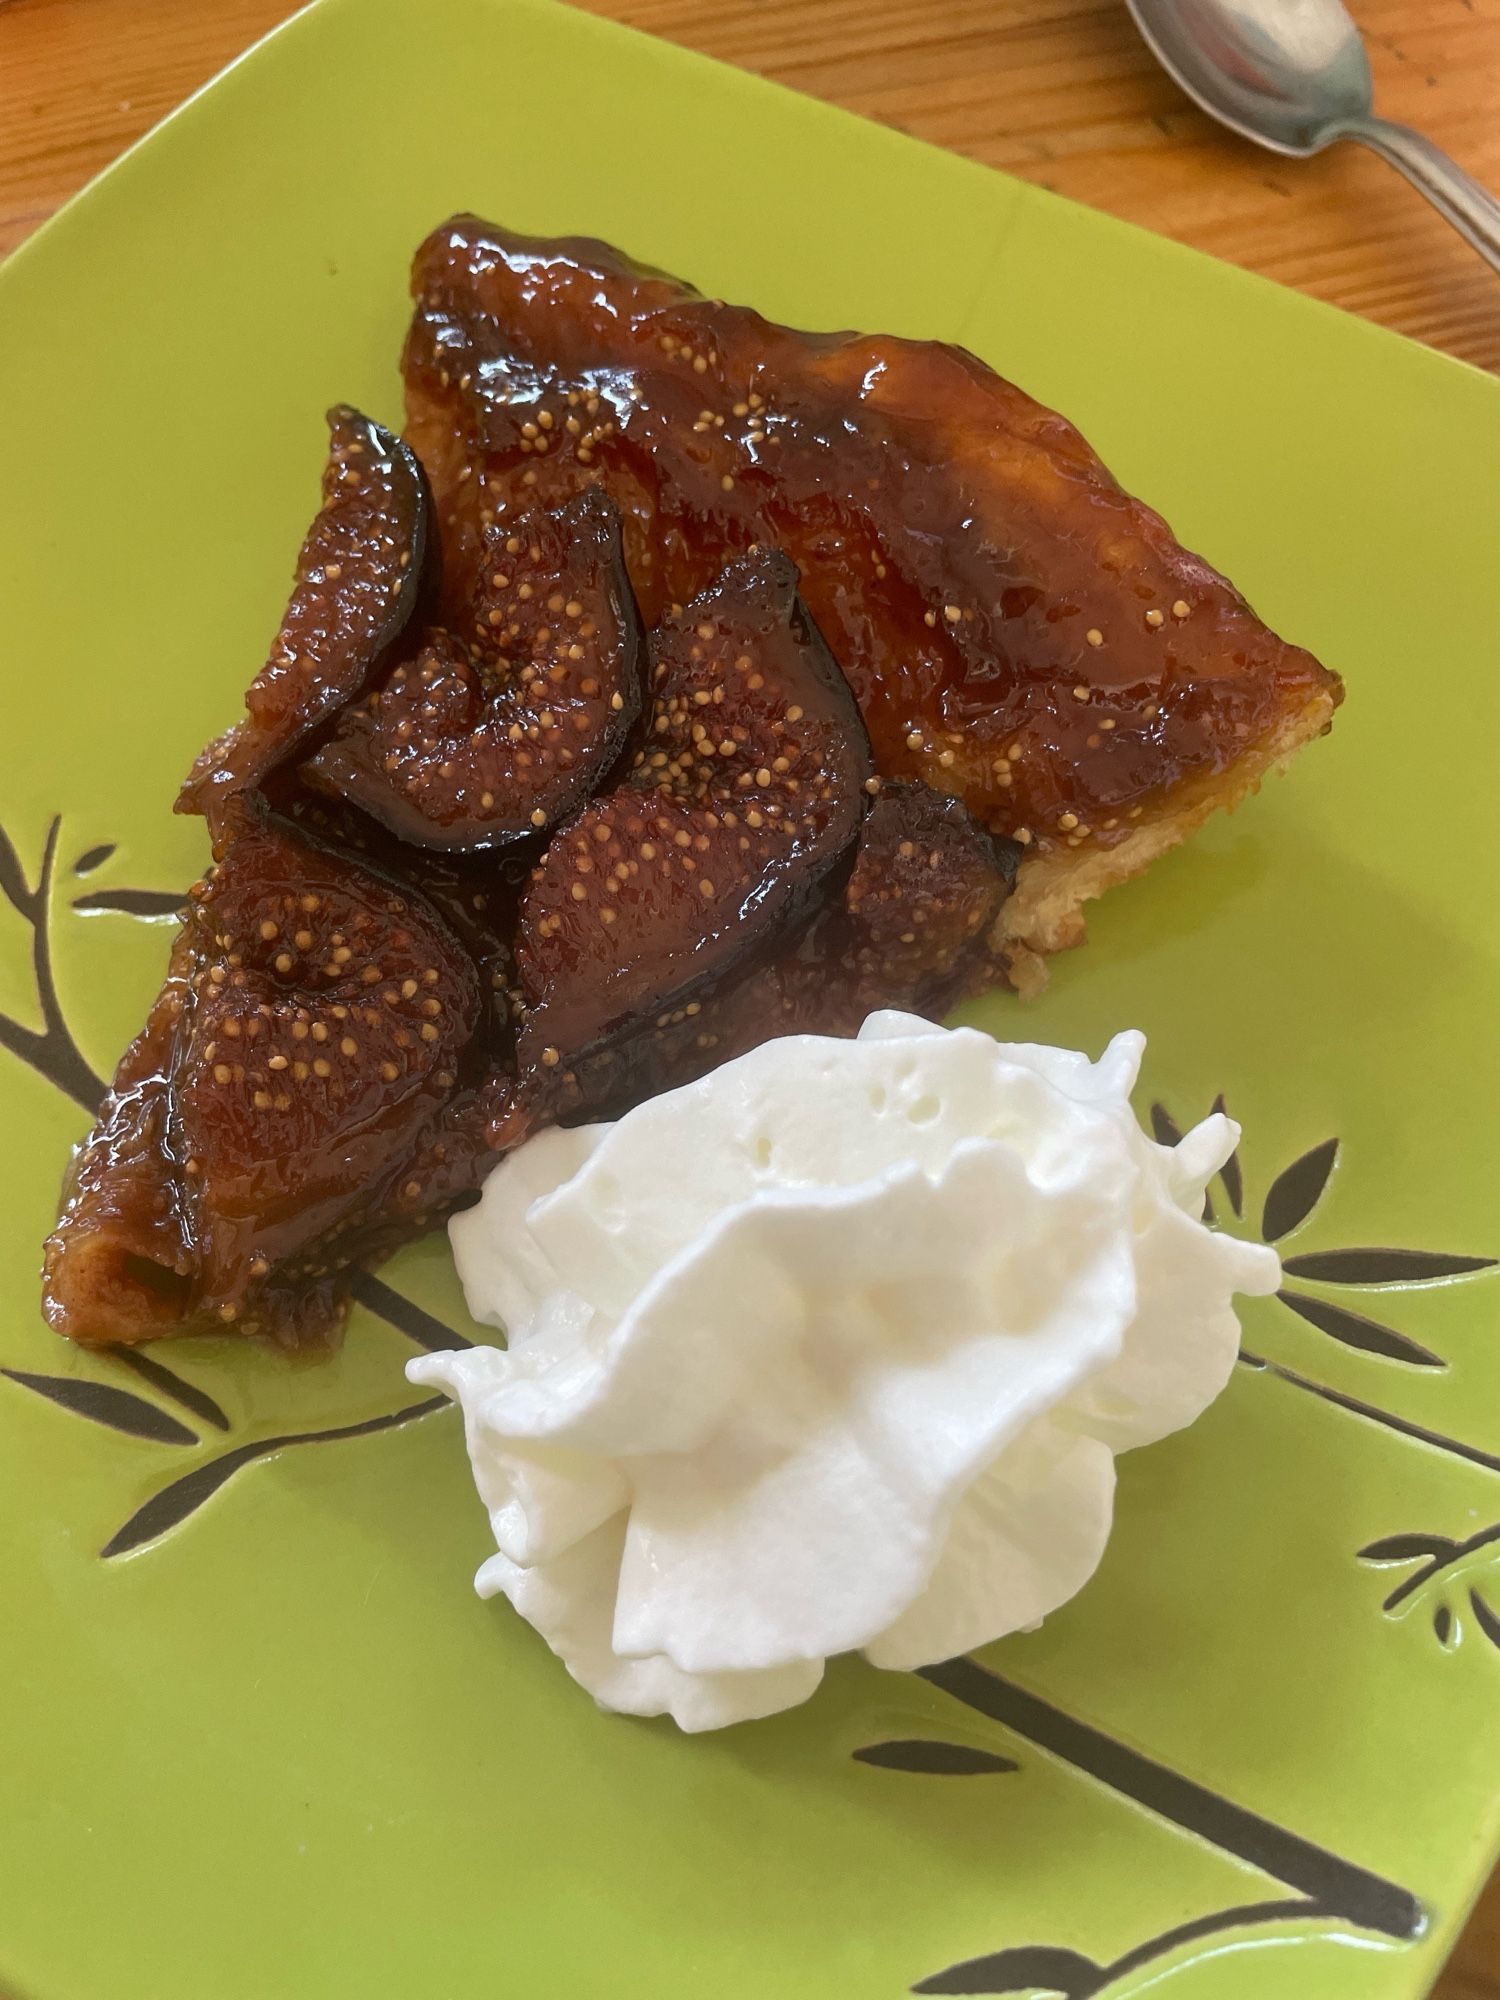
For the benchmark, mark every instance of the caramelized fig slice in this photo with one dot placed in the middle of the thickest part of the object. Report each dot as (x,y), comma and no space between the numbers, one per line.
(750,787)
(910,930)
(476,895)
(321,1015)
(333,1013)
(359,578)
(485,739)
(927,885)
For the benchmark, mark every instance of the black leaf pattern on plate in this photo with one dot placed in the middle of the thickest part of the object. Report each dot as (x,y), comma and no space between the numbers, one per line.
(1233,1180)
(101,1403)
(1297,1190)
(1445,1555)
(934,1758)
(1164,1127)
(173,1505)
(1068,1975)
(1352,1329)
(1376,1265)
(92,858)
(1437,1558)
(132,902)
(184,1496)
(1027,1968)
(1406,1548)
(1439,1565)
(52,1052)
(1485,1617)
(399,1312)
(188,1394)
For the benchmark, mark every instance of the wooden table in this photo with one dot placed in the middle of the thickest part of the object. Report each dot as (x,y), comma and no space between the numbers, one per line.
(1058,91)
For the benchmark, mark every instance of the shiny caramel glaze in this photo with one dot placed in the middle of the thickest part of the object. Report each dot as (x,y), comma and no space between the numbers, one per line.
(360,577)
(427,933)
(1019,631)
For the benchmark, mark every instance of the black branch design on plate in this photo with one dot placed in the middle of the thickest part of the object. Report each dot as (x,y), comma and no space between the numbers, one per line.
(933,1758)
(93,857)
(52,1051)
(1068,1975)
(175,1503)
(1472,1454)
(1352,1329)
(185,1495)
(1325,1885)
(1297,1190)
(1436,1553)
(102,1403)
(1372,1265)
(1485,1618)
(1338,1887)
(135,1416)
(1436,1556)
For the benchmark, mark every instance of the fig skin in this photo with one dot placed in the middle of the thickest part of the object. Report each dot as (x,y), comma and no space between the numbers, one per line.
(367,565)
(748,790)
(318,1019)
(490,735)
(910,926)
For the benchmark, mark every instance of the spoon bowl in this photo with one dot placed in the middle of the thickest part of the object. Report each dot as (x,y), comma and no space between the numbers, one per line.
(1293,76)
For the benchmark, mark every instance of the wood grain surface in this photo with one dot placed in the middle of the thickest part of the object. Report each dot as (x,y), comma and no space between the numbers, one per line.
(1058,91)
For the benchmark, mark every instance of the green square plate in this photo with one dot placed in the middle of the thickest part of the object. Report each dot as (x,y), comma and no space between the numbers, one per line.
(257,1737)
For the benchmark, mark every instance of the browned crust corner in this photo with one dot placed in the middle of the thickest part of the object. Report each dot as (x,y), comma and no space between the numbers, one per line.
(1045,912)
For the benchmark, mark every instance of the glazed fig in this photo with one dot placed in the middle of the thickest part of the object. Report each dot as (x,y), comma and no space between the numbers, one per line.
(488,736)
(316,1021)
(749,789)
(913,927)
(360,578)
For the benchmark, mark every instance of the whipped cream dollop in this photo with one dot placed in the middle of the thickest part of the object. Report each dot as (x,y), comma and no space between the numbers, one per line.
(831,1350)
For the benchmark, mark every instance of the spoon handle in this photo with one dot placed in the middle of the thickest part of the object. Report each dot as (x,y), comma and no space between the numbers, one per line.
(1473,210)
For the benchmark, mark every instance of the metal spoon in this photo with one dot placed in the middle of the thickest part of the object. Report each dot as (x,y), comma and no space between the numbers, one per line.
(1293,75)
